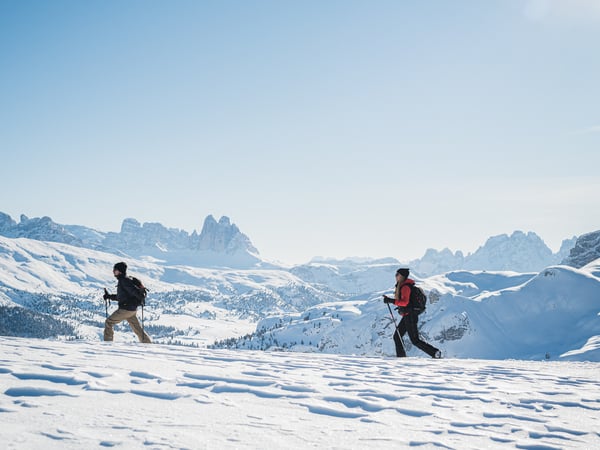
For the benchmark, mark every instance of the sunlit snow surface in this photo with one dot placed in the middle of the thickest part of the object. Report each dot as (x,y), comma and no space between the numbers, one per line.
(85,395)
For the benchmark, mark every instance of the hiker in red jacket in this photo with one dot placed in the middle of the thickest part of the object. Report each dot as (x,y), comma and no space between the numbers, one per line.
(410,317)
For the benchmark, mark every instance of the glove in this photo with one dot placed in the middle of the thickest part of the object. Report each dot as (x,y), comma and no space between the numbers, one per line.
(388,300)
(106,295)
(402,309)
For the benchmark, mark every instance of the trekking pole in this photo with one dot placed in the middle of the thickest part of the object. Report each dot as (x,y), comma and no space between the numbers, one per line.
(396,327)
(143,333)
(106,301)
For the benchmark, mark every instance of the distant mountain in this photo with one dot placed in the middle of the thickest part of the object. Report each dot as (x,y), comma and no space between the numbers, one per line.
(585,250)
(222,244)
(222,236)
(40,229)
(519,252)
(438,261)
(219,244)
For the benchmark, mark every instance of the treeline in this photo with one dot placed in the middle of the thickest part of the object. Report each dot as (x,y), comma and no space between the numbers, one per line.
(21,322)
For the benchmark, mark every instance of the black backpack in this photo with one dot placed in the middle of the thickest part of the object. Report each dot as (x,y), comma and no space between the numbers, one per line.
(418,299)
(141,291)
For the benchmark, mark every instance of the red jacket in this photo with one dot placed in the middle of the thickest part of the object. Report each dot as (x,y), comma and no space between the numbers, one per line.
(402,294)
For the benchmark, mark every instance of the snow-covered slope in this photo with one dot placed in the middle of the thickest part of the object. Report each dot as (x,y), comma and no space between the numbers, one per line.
(66,282)
(348,277)
(51,267)
(553,314)
(81,395)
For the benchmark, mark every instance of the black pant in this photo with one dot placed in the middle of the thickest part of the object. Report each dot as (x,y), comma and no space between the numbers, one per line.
(409,324)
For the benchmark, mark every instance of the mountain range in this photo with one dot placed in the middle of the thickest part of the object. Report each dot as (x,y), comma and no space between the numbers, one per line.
(218,244)
(520,252)
(52,276)
(222,244)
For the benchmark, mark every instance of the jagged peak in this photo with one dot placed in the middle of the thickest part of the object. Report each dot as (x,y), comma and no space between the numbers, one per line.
(585,250)
(209,220)
(6,221)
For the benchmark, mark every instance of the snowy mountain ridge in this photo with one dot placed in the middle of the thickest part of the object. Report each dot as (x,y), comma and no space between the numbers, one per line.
(222,244)
(521,252)
(218,244)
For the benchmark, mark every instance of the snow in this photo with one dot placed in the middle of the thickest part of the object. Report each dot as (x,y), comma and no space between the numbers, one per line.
(81,395)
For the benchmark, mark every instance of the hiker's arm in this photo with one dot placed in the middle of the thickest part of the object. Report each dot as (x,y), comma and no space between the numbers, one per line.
(108,296)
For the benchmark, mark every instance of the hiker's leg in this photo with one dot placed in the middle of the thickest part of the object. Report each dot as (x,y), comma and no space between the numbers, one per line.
(118,316)
(400,331)
(413,333)
(134,323)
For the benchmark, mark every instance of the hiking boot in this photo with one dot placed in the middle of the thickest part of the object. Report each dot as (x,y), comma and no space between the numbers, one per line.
(437,355)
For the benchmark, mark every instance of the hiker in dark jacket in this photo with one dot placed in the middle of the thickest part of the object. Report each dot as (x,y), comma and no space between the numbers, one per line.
(410,318)
(127,298)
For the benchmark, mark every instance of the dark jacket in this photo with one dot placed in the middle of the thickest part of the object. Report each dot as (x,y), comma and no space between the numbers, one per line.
(126,294)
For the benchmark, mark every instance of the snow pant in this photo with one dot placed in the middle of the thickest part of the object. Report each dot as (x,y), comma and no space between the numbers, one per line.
(409,324)
(130,316)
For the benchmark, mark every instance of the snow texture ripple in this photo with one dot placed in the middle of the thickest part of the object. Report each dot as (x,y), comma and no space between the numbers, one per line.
(81,395)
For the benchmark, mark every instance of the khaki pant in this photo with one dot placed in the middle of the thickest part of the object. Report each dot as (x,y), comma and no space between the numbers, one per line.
(119,316)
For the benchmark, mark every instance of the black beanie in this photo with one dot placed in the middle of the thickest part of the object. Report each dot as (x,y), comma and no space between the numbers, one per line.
(403,272)
(121,267)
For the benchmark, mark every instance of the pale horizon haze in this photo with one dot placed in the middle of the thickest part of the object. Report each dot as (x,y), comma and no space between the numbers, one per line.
(338,128)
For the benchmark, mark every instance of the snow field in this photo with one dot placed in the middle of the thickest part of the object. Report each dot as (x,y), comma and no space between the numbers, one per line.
(63,395)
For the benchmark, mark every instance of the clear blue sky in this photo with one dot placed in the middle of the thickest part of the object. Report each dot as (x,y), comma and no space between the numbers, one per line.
(337,128)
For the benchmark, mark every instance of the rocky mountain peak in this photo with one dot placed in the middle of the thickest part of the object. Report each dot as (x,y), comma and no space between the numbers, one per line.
(223,237)
(219,243)
(519,252)
(586,250)
(39,228)
(6,222)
